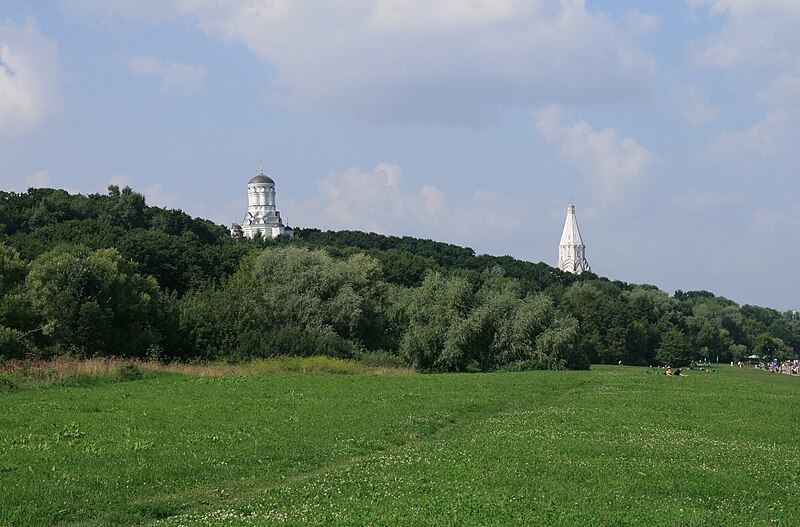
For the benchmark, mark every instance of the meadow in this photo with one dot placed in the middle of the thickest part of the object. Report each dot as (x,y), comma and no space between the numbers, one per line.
(609,446)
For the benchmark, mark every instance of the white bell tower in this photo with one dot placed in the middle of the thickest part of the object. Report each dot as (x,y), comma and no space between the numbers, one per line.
(571,250)
(261,215)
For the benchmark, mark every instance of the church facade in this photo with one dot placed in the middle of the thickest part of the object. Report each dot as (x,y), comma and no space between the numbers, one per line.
(261,216)
(571,250)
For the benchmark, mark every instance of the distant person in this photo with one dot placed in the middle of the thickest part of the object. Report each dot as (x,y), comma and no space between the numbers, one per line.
(679,373)
(669,371)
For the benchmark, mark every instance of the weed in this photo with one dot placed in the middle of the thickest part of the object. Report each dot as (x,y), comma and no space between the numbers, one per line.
(130,372)
(383,359)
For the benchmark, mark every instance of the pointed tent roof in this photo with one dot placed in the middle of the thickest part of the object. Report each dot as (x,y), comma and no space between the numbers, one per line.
(571,234)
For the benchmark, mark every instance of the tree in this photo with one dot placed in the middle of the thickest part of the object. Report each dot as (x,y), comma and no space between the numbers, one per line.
(768,346)
(674,348)
(518,333)
(92,302)
(715,326)
(125,208)
(604,321)
(437,307)
(291,301)
(556,347)
(475,337)
(16,317)
(12,269)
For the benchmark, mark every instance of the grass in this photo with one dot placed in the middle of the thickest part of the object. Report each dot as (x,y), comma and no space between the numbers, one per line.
(611,446)
(18,375)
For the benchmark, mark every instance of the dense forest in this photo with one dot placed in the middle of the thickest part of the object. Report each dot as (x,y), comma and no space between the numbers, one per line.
(108,275)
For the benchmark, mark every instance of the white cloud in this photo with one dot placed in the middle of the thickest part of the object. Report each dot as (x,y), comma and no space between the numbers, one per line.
(154,194)
(29,77)
(784,91)
(640,22)
(443,14)
(174,76)
(39,179)
(767,137)
(759,33)
(778,218)
(614,163)
(708,200)
(376,201)
(432,60)
(694,105)
(120,180)
(757,49)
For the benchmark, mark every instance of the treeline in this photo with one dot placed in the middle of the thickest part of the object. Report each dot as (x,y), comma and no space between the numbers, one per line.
(107,275)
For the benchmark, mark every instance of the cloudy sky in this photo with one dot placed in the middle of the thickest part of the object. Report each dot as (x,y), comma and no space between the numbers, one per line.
(673,126)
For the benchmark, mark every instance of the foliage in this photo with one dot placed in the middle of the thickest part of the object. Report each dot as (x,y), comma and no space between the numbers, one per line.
(437,310)
(92,302)
(452,328)
(27,374)
(313,364)
(106,274)
(37,374)
(290,301)
(382,359)
(674,349)
(17,318)
(316,293)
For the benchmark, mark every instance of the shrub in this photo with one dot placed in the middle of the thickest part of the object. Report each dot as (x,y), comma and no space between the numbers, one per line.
(130,372)
(9,382)
(315,364)
(12,345)
(292,340)
(383,359)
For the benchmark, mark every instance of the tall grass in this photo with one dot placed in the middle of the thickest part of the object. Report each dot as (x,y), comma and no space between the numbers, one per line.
(28,374)
(31,374)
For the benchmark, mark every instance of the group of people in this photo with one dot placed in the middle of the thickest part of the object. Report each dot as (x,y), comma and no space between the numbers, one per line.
(789,367)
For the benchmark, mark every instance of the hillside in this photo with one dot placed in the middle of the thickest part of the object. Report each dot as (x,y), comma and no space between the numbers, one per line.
(109,275)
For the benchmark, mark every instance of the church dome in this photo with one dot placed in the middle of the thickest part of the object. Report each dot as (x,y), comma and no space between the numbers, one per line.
(261,178)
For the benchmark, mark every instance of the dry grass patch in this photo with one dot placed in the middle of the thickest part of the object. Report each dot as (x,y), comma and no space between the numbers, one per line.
(27,374)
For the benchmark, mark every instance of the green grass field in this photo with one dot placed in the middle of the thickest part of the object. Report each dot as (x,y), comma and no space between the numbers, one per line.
(610,446)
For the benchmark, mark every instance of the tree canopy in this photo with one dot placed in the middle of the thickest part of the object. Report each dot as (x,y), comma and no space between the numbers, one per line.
(106,274)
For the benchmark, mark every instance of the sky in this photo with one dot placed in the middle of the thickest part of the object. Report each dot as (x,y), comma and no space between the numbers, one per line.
(673,126)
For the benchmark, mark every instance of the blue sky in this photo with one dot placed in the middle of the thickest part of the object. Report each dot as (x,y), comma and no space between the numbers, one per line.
(671,125)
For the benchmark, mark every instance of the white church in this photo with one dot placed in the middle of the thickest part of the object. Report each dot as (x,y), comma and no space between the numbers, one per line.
(571,250)
(261,215)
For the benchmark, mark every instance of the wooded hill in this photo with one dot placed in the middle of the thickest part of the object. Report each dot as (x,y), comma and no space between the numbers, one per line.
(108,275)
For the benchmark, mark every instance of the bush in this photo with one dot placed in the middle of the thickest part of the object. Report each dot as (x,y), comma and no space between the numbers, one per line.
(383,359)
(12,345)
(130,372)
(315,364)
(9,382)
(291,340)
